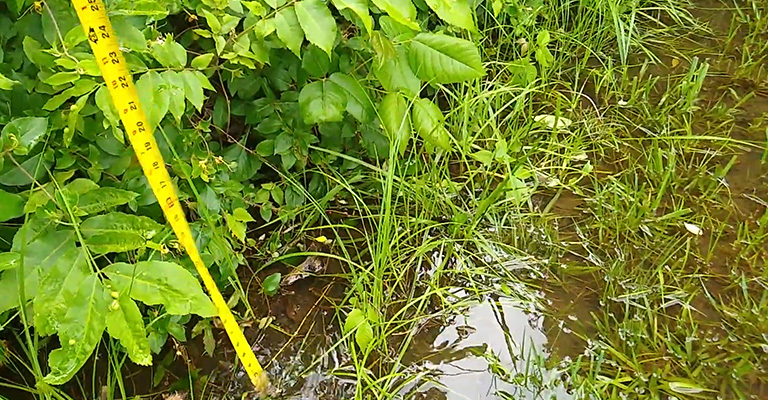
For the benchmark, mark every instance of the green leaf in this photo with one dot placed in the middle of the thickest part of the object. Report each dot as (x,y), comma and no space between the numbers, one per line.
(130,36)
(318,23)
(26,131)
(454,12)
(117,232)
(241,214)
(7,84)
(155,99)
(27,172)
(266,148)
(289,30)
(202,61)
(160,282)
(359,104)
(104,102)
(360,8)
(11,206)
(248,164)
(322,101)
(9,260)
(57,290)
(439,58)
(484,156)
(39,256)
(283,143)
(124,323)
(81,87)
(103,199)
(175,85)
(393,112)
(62,78)
(35,53)
(193,89)
(80,330)
(315,62)
(236,227)
(271,284)
(395,75)
(364,335)
(355,318)
(430,124)
(169,53)
(401,11)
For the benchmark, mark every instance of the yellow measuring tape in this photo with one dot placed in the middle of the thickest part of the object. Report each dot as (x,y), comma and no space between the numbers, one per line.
(106,49)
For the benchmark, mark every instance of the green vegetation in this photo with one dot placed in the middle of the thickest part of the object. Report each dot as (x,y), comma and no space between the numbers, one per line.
(360,174)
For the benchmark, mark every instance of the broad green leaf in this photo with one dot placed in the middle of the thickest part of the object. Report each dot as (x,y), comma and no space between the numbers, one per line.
(393,112)
(170,54)
(26,131)
(289,30)
(454,12)
(11,205)
(124,323)
(117,232)
(159,282)
(103,199)
(401,11)
(81,87)
(318,24)
(104,102)
(6,83)
(354,319)
(396,75)
(364,335)
(57,289)
(439,58)
(322,101)
(359,104)
(32,168)
(9,260)
(315,62)
(175,85)
(79,331)
(283,142)
(35,53)
(241,214)
(130,37)
(266,148)
(395,30)
(248,164)
(271,284)
(429,123)
(193,89)
(62,78)
(202,61)
(155,99)
(484,156)
(360,8)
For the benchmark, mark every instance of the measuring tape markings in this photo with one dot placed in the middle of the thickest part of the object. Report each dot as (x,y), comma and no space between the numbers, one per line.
(103,41)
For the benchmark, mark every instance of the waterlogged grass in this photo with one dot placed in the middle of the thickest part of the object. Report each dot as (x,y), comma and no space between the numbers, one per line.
(615,192)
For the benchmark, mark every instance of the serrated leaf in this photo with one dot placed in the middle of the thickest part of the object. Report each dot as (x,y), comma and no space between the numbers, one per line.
(359,104)
(27,132)
(322,101)
(160,282)
(11,206)
(439,58)
(124,323)
(401,11)
(360,8)
(193,89)
(155,99)
(289,30)
(317,23)
(202,61)
(103,199)
(236,227)
(117,232)
(395,74)
(396,121)
(57,290)
(80,331)
(429,123)
(454,12)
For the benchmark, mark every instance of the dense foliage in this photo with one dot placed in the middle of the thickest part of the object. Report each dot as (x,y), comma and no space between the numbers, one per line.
(238,93)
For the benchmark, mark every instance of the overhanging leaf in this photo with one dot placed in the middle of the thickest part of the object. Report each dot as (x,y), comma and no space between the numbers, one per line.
(441,58)
(359,104)
(289,30)
(360,8)
(159,282)
(318,23)
(80,330)
(57,290)
(118,232)
(103,199)
(454,12)
(124,323)
(393,112)
(401,11)
(155,99)
(430,124)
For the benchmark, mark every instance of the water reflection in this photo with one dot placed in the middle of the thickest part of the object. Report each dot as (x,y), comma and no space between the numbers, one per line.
(495,351)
